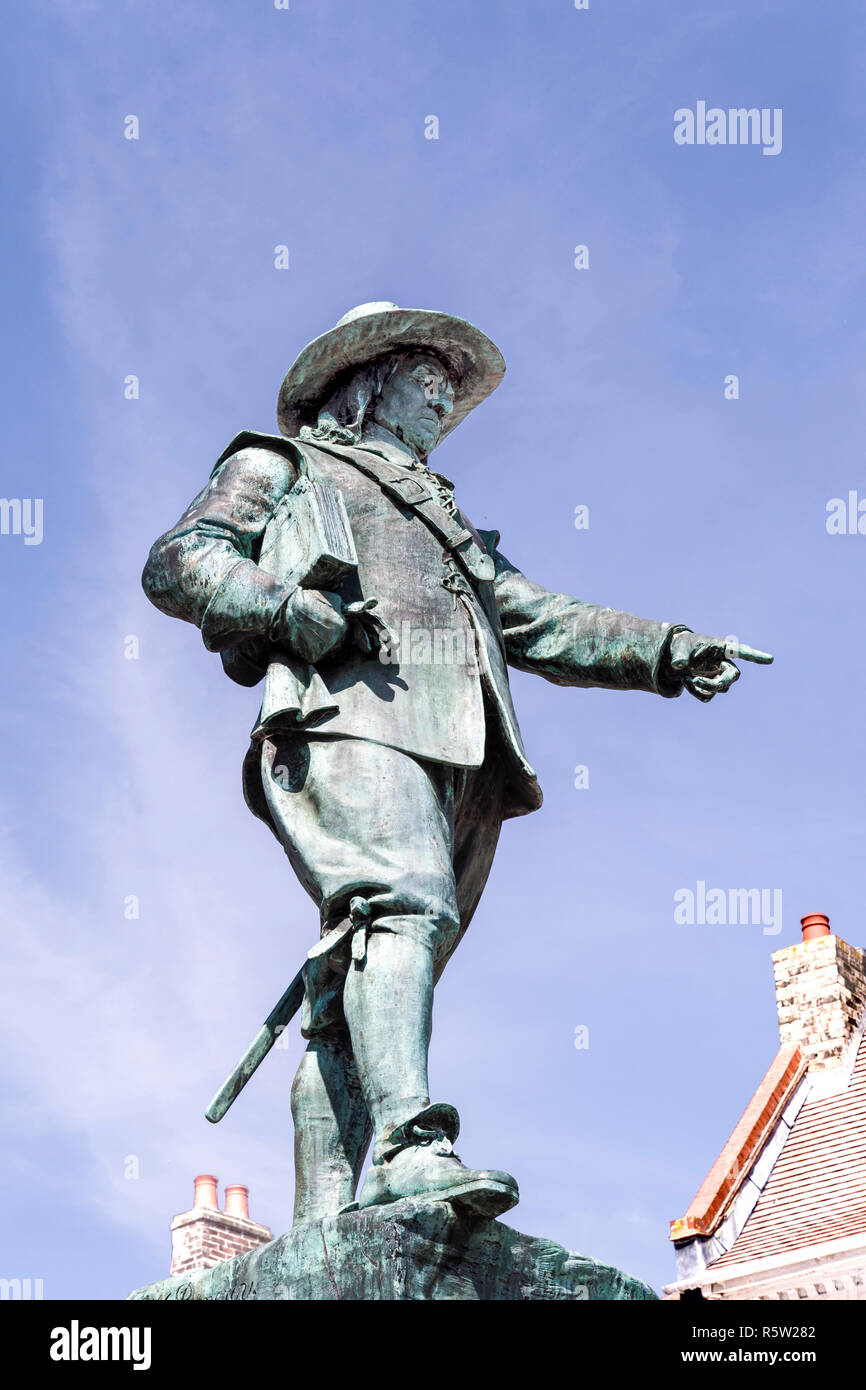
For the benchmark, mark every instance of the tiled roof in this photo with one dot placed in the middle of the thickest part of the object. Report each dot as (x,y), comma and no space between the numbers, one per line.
(727,1174)
(817,1188)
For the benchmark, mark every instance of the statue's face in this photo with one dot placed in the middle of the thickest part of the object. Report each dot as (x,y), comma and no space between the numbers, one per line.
(415,401)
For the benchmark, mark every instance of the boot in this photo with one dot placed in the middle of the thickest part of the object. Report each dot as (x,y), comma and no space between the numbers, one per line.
(332,1130)
(421,1162)
(388,1003)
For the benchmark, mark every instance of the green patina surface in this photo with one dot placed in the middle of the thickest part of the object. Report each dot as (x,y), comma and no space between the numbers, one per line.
(333,563)
(408,1251)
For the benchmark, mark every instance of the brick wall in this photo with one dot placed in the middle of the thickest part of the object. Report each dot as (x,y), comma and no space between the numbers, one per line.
(820,997)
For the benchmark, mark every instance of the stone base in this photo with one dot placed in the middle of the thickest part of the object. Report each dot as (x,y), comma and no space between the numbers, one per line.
(410,1250)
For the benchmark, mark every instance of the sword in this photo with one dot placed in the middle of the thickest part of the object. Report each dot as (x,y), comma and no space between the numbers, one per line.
(280,1015)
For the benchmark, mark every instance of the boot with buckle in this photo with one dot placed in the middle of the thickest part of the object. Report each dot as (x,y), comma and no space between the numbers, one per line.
(418,1160)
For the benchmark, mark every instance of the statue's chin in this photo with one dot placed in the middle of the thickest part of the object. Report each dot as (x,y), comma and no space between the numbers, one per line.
(424,444)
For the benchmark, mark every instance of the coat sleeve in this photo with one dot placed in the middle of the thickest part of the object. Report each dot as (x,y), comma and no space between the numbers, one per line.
(571,642)
(204,569)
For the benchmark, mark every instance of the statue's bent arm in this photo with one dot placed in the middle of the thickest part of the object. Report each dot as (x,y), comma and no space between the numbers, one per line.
(203,570)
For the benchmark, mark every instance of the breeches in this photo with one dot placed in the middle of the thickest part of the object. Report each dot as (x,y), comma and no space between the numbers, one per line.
(413,840)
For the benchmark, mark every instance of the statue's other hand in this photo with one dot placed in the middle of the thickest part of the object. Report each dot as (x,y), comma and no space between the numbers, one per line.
(704,663)
(313,624)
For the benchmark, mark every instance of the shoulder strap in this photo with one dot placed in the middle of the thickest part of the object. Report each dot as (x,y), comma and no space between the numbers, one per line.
(410,491)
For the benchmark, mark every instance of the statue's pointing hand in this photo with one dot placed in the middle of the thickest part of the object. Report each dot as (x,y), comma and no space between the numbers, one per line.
(704,664)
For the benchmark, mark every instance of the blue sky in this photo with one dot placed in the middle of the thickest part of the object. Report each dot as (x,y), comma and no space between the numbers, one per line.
(155,257)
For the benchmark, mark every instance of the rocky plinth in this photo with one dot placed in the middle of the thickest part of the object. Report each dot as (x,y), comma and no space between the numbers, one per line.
(407,1251)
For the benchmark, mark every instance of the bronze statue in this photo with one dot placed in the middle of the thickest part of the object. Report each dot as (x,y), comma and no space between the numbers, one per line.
(331,561)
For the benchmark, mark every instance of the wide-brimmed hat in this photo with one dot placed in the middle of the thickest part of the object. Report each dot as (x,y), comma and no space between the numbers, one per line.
(475,364)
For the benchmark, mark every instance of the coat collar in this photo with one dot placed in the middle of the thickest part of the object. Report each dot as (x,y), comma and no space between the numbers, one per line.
(381,441)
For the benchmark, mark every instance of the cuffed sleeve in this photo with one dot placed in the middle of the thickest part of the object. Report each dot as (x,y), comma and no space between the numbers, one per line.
(204,569)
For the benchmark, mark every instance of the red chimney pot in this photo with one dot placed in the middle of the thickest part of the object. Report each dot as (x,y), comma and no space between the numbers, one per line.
(815,924)
(236,1201)
(206,1191)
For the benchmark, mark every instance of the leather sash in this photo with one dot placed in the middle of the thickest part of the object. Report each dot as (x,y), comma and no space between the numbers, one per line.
(409,490)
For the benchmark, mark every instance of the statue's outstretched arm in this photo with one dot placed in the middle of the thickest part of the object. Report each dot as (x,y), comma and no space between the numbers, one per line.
(571,642)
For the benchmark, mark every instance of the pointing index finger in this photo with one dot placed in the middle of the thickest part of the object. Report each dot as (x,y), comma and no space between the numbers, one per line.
(744,653)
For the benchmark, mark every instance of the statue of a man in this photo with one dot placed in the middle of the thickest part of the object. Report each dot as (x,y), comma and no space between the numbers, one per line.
(386,773)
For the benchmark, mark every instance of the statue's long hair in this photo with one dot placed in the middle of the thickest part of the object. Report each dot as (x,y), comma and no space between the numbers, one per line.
(341,419)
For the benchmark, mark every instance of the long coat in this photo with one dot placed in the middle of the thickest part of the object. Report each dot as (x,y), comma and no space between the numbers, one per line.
(438,700)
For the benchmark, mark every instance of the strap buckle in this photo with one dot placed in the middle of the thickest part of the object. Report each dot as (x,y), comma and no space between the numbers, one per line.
(459,538)
(409,490)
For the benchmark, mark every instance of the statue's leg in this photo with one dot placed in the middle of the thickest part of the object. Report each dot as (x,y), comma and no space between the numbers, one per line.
(387,1000)
(388,1004)
(370,833)
(388,997)
(479,802)
(332,1128)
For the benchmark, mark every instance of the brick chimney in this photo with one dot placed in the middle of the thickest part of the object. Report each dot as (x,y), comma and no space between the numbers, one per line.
(206,1236)
(820,993)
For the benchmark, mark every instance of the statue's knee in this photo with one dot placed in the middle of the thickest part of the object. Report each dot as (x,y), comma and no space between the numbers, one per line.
(434,929)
